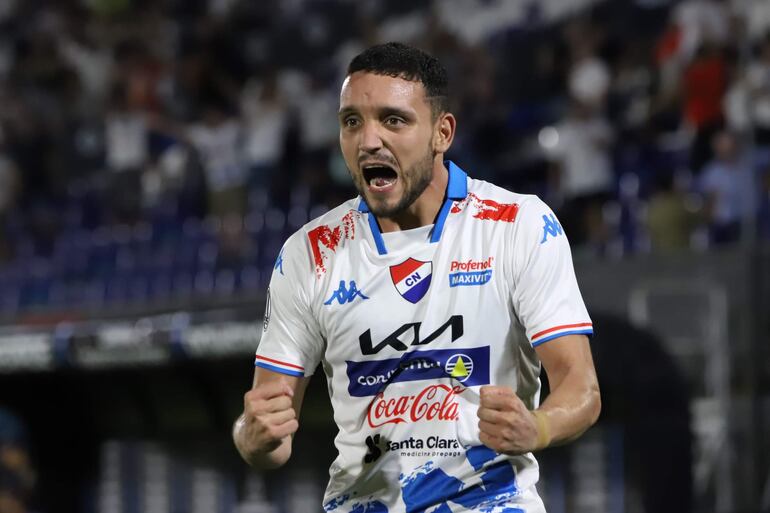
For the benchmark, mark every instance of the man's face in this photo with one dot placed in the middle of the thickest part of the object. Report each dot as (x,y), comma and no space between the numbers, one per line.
(386,135)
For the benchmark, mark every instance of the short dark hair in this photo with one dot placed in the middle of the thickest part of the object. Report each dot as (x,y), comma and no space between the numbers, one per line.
(409,63)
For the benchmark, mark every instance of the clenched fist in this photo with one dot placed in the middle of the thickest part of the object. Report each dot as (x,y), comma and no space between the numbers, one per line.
(268,417)
(505,423)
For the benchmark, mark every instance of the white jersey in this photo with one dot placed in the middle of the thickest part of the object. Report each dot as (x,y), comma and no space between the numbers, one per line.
(408,326)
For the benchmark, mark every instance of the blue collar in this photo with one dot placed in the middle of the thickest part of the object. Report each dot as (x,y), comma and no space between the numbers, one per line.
(457,189)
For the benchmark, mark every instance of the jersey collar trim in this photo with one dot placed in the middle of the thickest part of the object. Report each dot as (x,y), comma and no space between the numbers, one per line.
(457,189)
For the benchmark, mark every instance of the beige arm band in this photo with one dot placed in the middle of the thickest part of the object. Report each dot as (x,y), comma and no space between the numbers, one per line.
(543,430)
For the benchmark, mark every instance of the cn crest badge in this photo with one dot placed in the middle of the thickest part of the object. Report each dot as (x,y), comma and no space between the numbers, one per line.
(412,278)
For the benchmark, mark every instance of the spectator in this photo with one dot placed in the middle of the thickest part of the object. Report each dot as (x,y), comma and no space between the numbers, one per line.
(216,137)
(756,14)
(670,217)
(127,154)
(704,85)
(582,176)
(589,77)
(265,119)
(727,185)
(703,22)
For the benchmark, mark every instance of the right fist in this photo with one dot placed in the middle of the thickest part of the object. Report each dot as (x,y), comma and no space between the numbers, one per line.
(268,416)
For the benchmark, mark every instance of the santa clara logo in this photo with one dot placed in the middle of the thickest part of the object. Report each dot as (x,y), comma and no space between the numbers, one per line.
(412,278)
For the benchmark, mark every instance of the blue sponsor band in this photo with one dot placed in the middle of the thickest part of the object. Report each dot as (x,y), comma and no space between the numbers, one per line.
(470,278)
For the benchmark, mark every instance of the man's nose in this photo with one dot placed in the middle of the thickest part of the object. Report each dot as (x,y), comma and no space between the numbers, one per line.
(370,142)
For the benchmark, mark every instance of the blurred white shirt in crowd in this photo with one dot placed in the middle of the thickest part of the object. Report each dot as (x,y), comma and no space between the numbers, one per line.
(756,15)
(265,122)
(218,148)
(93,66)
(126,141)
(589,80)
(758,77)
(318,118)
(700,21)
(582,150)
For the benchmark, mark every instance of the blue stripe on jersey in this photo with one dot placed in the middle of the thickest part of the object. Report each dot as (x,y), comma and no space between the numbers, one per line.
(438,228)
(457,189)
(279,369)
(575,332)
(378,240)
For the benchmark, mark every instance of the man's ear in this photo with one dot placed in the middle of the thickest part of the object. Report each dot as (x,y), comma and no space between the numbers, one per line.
(444,132)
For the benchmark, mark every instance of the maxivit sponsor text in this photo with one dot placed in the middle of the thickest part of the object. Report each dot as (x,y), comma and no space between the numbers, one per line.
(471,272)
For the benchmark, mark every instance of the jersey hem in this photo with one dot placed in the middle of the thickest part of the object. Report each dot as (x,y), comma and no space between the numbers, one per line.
(279,369)
(562,334)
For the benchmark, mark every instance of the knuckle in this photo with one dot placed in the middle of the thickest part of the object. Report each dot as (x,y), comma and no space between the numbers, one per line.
(255,406)
(272,432)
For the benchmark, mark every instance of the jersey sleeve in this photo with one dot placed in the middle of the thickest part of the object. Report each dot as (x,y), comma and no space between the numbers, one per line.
(546,295)
(291,342)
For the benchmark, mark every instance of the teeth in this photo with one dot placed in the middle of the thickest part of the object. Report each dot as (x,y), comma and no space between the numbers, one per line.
(381,182)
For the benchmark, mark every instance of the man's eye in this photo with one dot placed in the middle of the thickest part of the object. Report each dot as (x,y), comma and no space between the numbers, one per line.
(350,122)
(394,121)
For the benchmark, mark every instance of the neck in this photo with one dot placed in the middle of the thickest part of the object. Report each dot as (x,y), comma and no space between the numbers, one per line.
(425,208)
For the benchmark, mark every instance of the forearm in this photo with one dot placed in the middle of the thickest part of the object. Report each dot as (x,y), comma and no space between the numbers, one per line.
(571,408)
(257,459)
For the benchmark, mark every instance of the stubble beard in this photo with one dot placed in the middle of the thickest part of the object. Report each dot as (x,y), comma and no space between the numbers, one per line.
(416,179)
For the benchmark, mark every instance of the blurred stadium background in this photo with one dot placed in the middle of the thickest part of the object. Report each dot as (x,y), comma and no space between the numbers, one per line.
(154,154)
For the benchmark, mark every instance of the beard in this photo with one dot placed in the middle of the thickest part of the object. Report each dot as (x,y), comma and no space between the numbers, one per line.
(415,180)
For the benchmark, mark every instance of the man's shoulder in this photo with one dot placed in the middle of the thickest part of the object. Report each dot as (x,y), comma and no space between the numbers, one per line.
(342,213)
(323,236)
(496,192)
(486,200)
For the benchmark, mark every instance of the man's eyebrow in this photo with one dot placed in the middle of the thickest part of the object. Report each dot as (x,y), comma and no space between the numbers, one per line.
(344,111)
(395,111)
(381,111)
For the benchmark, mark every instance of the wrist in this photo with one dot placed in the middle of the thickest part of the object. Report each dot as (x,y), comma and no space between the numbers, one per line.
(543,425)
(255,454)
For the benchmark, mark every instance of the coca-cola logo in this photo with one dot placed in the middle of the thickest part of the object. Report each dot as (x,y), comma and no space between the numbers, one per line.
(433,403)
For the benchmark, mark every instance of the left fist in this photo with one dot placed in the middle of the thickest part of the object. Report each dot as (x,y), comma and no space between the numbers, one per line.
(505,423)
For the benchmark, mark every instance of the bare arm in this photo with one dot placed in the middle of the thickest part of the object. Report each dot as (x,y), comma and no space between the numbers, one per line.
(264,431)
(507,425)
(574,402)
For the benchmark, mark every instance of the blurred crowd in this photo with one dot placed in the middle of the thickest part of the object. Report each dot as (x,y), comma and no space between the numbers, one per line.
(157,149)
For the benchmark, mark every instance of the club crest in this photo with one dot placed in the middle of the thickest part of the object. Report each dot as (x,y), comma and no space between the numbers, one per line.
(412,278)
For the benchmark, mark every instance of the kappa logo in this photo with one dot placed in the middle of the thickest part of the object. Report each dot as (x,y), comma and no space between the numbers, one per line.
(551,227)
(345,294)
(412,278)
(279,263)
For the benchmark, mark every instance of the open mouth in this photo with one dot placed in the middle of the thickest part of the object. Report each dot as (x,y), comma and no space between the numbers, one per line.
(379,177)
